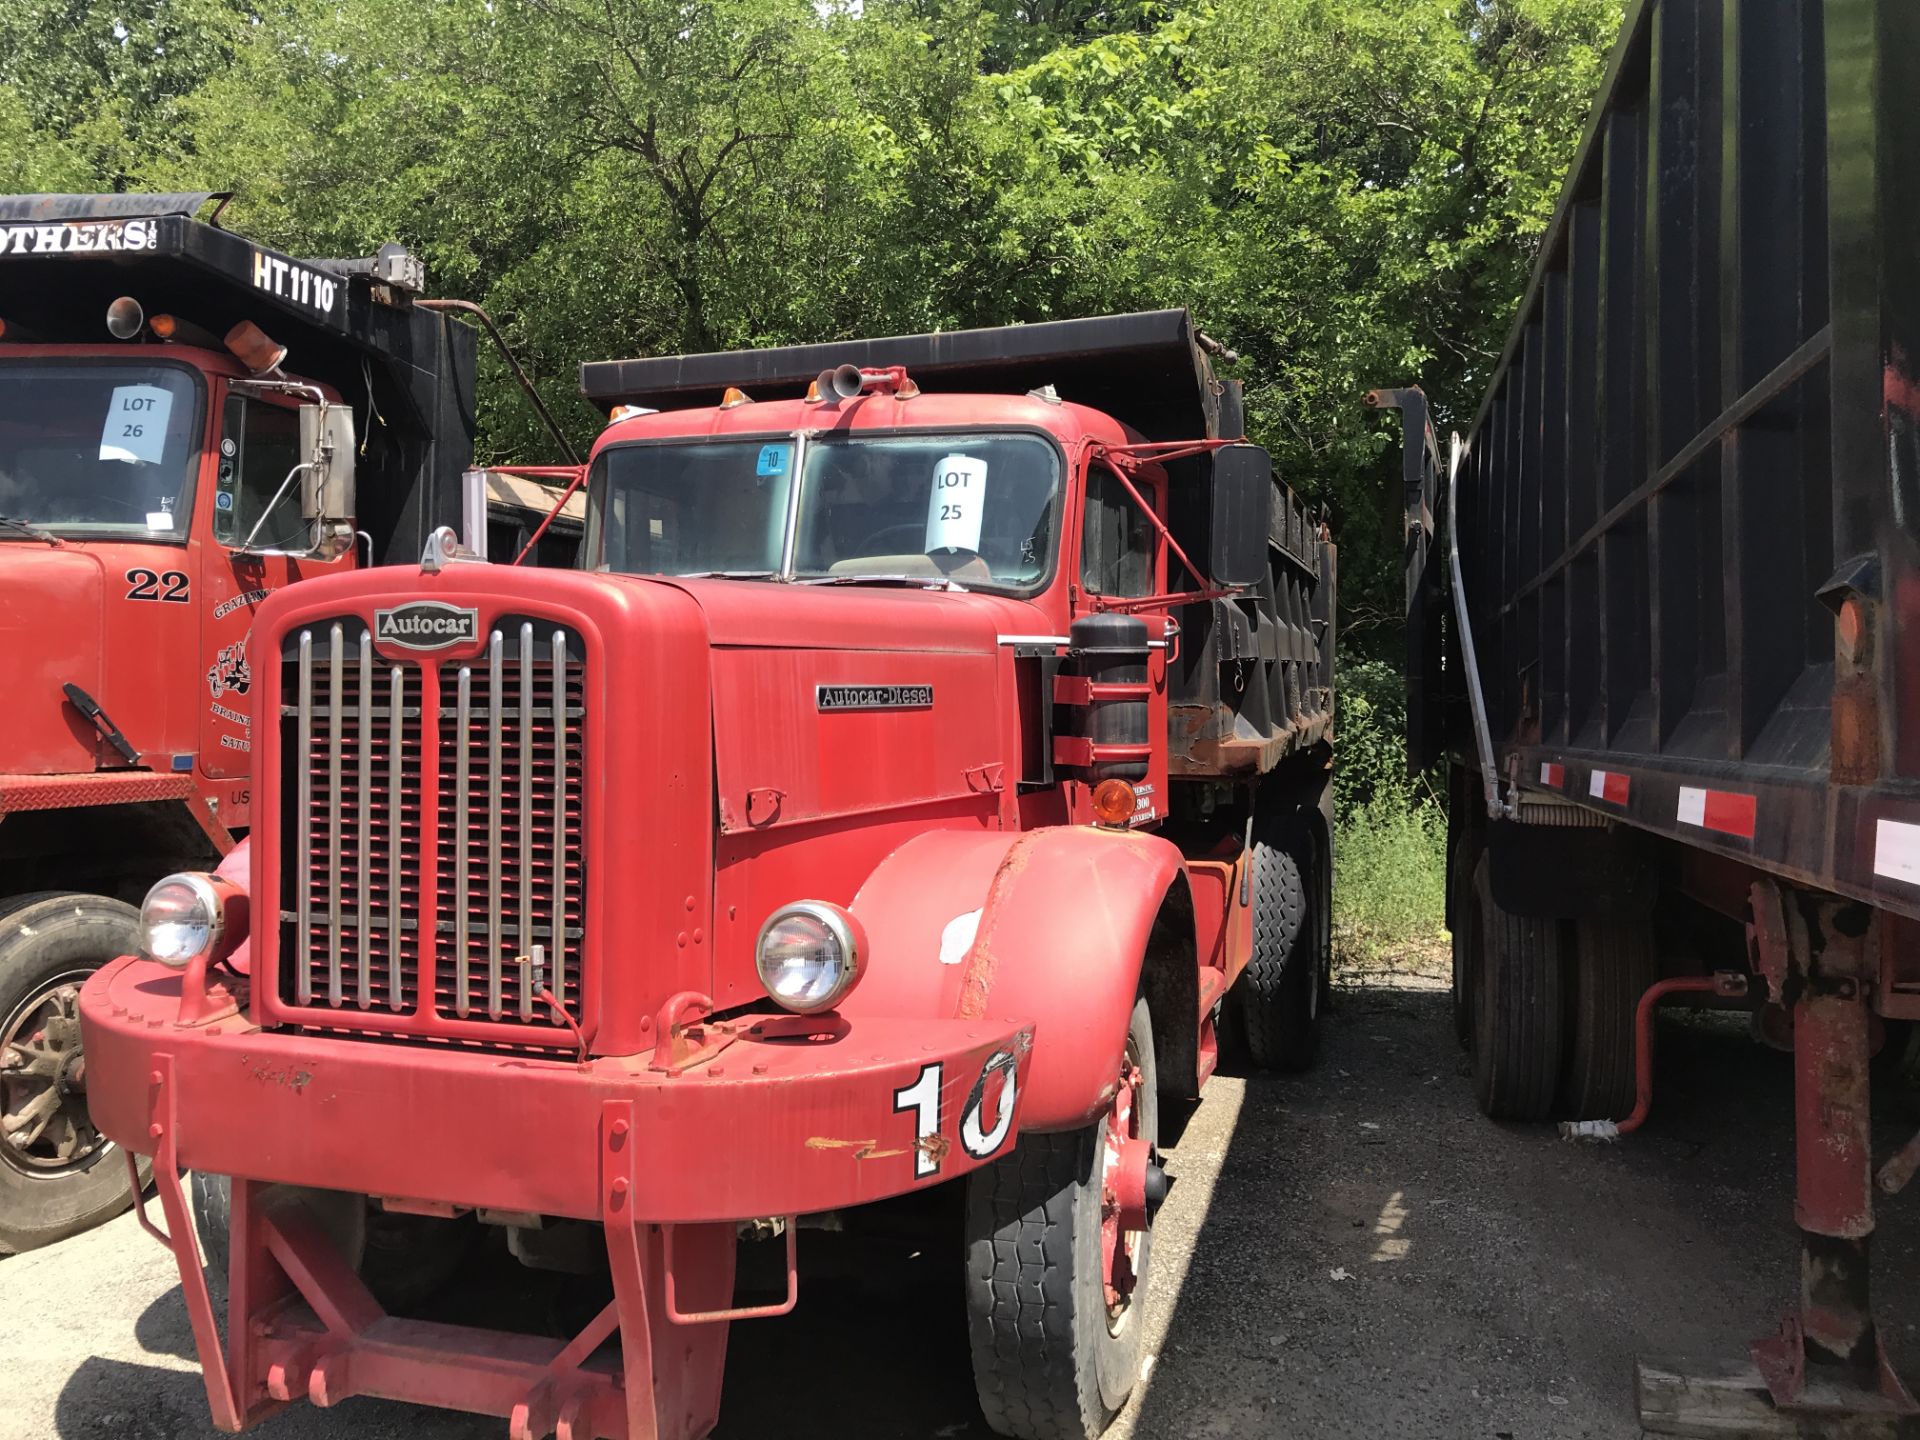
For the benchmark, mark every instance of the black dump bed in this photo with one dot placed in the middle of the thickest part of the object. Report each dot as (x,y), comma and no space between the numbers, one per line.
(1689,503)
(350,324)
(1253,680)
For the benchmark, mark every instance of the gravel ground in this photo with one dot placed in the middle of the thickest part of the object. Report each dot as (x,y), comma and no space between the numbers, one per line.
(1355,1252)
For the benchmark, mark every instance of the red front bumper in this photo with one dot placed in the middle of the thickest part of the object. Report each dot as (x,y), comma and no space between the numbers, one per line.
(664,1161)
(765,1127)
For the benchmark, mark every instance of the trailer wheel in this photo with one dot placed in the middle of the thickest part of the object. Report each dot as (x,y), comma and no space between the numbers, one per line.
(1469,936)
(1518,1010)
(1282,988)
(1054,1285)
(58,1175)
(1612,965)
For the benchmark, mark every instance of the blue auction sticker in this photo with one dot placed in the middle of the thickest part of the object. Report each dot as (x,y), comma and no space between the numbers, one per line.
(773,460)
(223,500)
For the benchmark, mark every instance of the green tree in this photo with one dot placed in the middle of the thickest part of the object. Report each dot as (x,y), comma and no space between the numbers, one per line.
(91,88)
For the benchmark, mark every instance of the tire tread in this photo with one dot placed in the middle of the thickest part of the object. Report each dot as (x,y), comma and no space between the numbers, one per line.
(1519,1010)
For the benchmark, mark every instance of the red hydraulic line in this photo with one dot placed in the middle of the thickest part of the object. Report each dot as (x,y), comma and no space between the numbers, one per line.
(1724,984)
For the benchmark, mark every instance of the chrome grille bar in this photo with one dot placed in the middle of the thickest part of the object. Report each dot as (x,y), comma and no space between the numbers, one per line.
(396,720)
(525,946)
(494,828)
(303,827)
(557,930)
(364,817)
(336,643)
(462,1004)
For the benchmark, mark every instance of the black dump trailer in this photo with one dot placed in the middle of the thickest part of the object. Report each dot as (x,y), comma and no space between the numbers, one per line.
(1663,612)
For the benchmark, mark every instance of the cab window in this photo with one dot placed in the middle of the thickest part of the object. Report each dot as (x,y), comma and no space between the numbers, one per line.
(259,447)
(1116,539)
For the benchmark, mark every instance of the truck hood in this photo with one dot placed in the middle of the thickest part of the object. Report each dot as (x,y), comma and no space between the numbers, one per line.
(51,618)
(837,701)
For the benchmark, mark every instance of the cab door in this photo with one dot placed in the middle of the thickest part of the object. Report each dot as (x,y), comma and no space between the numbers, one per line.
(254,540)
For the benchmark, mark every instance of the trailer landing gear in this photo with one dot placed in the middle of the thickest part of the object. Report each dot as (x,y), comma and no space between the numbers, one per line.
(1826,1373)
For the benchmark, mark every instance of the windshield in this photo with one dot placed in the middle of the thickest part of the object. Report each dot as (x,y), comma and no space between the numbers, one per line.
(976,509)
(98,449)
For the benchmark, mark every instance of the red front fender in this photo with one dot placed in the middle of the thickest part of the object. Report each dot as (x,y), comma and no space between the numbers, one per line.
(1049,926)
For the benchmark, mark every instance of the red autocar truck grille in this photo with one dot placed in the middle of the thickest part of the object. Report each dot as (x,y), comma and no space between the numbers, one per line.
(462,778)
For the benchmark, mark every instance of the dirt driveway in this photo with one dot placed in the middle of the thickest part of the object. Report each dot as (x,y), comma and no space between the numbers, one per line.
(1350,1253)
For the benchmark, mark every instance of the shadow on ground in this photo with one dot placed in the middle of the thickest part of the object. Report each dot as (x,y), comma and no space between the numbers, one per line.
(1354,1252)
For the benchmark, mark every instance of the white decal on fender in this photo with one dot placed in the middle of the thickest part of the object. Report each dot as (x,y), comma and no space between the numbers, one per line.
(923,1098)
(957,938)
(980,1142)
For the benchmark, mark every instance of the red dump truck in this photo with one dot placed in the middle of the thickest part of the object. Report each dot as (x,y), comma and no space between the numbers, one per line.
(928,762)
(1661,603)
(184,416)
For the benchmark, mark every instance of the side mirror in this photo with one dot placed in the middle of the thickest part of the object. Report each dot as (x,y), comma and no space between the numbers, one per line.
(1240,511)
(327,448)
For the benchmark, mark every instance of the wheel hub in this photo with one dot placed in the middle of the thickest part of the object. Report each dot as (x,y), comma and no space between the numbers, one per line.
(43,1102)
(1130,1184)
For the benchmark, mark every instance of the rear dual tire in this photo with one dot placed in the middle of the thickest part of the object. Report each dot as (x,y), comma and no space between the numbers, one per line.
(1282,995)
(1546,1005)
(1517,1007)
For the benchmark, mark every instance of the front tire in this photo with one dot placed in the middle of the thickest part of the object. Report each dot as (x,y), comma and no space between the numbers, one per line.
(1054,1287)
(58,1175)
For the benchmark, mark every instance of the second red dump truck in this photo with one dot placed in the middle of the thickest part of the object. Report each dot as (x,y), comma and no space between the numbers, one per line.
(926,766)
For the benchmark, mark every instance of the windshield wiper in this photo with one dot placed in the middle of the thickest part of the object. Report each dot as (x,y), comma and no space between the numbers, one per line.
(25,527)
(922,582)
(726,575)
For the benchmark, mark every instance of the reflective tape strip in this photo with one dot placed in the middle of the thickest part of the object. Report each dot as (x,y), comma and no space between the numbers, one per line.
(1609,785)
(1896,851)
(1554,775)
(1724,810)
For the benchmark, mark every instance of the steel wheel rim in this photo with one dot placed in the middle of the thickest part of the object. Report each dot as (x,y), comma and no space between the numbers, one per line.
(1119,1250)
(45,1130)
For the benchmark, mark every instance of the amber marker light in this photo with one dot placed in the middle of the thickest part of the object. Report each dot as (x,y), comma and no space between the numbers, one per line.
(254,348)
(1114,804)
(1852,627)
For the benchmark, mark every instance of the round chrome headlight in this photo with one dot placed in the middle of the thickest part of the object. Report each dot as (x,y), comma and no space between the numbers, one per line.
(180,920)
(809,955)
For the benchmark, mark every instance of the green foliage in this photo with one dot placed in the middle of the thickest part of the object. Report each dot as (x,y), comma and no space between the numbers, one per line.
(1345,191)
(1389,880)
(1389,829)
